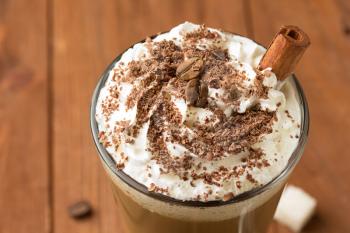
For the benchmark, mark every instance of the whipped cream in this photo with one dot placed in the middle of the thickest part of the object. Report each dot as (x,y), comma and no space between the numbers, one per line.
(240,140)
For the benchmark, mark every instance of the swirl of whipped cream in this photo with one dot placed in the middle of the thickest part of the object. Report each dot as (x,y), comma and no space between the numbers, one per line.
(240,136)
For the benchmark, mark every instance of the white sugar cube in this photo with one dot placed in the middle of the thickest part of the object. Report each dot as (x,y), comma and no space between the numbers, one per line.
(295,208)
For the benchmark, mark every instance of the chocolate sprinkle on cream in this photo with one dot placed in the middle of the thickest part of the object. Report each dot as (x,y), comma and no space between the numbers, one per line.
(193,113)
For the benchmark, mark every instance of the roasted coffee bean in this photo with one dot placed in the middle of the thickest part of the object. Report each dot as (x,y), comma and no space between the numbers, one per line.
(190,68)
(185,65)
(79,210)
(203,95)
(191,92)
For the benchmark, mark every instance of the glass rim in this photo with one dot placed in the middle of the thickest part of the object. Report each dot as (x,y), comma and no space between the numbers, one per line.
(110,162)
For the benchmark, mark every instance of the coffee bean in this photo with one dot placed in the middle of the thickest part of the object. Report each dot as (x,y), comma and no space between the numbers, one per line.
(203,95)
(190,68)
(191,92)
(185,65)
(79,210)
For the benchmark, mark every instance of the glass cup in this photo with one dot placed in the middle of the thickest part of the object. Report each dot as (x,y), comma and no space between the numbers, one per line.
(142,211)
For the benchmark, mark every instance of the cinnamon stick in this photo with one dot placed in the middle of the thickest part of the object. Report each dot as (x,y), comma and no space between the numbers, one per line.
(285,51)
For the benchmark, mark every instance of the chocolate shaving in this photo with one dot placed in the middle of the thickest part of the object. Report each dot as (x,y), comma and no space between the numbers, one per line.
(202,33)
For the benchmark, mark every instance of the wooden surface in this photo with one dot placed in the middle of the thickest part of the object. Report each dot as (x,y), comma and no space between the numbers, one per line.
(24,159)
(52,53)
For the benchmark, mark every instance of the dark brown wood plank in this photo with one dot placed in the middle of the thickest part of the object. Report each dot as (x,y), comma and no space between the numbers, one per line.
(87,36)
(24,202)
(325,75)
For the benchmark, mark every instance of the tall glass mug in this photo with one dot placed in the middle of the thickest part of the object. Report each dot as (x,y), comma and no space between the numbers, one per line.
(142,211)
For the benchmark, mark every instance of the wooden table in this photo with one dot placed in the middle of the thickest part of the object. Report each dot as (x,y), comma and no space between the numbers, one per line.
(52,53)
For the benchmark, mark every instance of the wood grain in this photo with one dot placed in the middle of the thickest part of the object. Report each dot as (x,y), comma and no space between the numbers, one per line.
(324,74)
(24,187)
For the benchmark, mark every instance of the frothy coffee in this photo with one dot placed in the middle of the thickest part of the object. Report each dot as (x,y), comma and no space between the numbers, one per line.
(188,115)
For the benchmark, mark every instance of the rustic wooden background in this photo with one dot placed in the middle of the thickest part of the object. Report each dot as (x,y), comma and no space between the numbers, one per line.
(52,53)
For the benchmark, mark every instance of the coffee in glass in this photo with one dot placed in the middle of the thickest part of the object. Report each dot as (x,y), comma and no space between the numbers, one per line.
(194,137)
